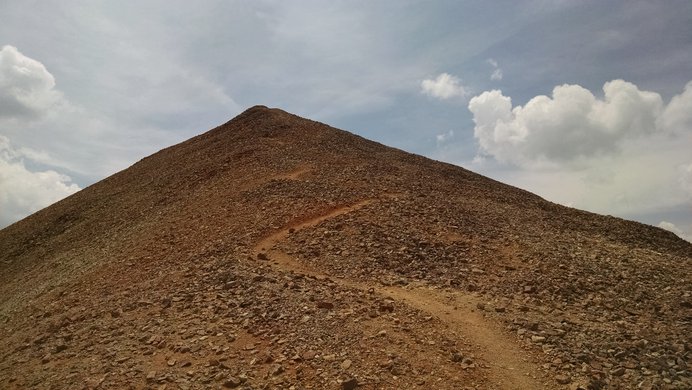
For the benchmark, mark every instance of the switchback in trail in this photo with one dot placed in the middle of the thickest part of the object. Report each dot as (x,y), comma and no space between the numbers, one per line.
(509,366)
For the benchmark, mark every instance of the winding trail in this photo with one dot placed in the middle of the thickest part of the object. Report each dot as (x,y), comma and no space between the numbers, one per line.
(509,366)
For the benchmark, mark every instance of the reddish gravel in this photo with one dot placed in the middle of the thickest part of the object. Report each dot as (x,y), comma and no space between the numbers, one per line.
(278,252)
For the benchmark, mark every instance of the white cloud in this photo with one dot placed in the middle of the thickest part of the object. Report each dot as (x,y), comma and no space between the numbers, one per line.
(26,87)
(497,72)
(144,107)
(570,125)
(626,153)
(444,138)
(33,110)
(671,227)
(444,86)
(677,116)
(23,191)
(134,109)
(27,98)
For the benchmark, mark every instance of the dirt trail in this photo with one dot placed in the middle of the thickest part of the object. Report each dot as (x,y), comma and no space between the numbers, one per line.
(267,243)
(295,174)
(509,366)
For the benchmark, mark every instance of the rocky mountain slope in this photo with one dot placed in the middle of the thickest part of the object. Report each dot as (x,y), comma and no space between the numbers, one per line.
(278,252)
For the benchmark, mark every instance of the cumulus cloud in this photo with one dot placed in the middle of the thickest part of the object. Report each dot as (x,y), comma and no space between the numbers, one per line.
(27,96)
(130,112)
(624,153)
(497,72)
(677,116)
(573,123)
(23,191)
(26,87)
(671,227)
(444,86)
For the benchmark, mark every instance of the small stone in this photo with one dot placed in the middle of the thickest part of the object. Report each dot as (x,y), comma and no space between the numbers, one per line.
(537,339)
(45,359)
(646,384)
(232,382)
(457,357)
(308,355)
(618,371)
(262,256)
(93,383)
(563,379)
(500,309)
(151,376)
(349,384)
(276,369)
(325,305)
(387,306)
(171,362)
(60,348)
(480,306)
(122,359)
(346,364)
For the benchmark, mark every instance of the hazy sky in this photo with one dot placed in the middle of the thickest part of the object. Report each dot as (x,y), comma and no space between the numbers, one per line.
(586,103)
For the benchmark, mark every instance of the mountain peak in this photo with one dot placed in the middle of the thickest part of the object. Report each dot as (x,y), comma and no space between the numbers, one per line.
(282,241)
(262,120)
(258,111)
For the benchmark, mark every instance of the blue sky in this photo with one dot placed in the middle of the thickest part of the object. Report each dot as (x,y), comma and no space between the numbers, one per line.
(585,103)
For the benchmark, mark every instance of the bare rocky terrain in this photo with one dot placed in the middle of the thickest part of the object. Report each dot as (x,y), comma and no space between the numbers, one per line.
(275,252)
